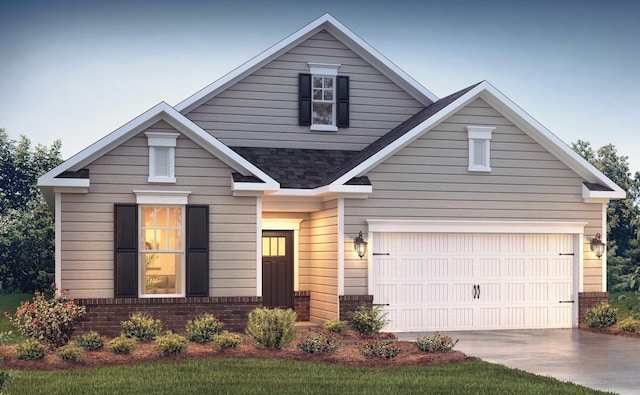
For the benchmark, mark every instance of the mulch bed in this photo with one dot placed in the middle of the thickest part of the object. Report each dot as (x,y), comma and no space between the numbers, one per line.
(612,330)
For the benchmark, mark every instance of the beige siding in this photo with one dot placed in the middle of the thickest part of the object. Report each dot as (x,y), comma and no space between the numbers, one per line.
(262,109)
(87,219)
(429,180)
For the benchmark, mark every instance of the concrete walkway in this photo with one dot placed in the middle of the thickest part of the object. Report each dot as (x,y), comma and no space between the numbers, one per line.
(604,362)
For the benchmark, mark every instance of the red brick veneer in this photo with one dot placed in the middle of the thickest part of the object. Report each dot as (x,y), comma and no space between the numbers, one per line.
(349,303)
(587,300)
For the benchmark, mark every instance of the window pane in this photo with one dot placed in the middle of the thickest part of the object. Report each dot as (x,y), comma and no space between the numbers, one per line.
(478,153)
(162,162)
(148,217)
(317,94)
(281,246)
(317,82)
(328,95)
(328,82)
(266,246)
(175,217)
(162,273)
(322,114)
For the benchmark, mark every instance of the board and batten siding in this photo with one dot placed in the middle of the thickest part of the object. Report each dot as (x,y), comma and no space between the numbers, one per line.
(262,109)
(87,219)
(429,179)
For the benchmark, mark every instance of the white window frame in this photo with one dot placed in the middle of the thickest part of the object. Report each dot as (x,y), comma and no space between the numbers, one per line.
(162,143)
(480,135)
(324,70)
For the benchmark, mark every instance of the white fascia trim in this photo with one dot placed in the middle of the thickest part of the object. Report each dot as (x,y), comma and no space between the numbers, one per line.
(462,226)
(328,189)
(589,196)
(180,198)
(47,180)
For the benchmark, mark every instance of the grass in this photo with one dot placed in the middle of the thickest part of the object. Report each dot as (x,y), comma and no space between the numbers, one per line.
(251,376)
(628,302)
(9,302)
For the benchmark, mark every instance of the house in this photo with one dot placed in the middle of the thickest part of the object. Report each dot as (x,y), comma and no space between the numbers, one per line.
(260,189)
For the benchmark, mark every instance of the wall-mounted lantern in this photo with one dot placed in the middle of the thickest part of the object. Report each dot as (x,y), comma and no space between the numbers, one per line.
(597,245)
(360,246)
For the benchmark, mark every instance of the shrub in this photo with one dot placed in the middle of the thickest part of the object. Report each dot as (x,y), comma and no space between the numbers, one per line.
(319,343)
(49,320)
(30,350)
(379,349)
(142,326)
(272,328)
(90,341)
(436,343)
(5,337)
(368,321)
(335,326)
(70,352)
(629,324)
(122,345)
(601,316)
(203,328)
(6,378)
(170,344)
(226,340)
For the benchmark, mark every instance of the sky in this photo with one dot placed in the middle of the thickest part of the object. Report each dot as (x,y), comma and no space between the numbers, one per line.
(78,70)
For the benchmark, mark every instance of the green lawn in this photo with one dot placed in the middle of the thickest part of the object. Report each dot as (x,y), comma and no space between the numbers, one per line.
(249,376)
(627,302)
(9,302)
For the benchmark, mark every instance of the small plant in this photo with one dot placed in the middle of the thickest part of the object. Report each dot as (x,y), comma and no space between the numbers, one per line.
(30,350)
(436,343)
(368,321)
(319,343)
(335,326)
(601,316)
(142,326)
(272,328)
(629,324)
(203,328)
(122,345)
(90,341)
(226,340)
(170,344)
(70,352)
(6,378)
(5,337)
(49,320)
(380,349)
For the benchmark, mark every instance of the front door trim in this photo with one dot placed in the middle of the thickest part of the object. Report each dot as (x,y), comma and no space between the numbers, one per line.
(286,224)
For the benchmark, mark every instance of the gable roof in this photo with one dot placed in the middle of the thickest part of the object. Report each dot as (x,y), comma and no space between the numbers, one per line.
(343,34)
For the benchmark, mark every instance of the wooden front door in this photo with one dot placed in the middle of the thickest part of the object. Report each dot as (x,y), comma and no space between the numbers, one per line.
(277,269)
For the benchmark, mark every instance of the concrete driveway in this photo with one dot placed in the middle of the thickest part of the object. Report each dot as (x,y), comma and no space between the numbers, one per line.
(604,362)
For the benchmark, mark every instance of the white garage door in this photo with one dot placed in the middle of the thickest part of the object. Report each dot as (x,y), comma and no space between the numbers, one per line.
(429,281)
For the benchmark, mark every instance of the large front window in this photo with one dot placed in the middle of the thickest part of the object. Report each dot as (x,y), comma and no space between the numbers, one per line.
(162,251)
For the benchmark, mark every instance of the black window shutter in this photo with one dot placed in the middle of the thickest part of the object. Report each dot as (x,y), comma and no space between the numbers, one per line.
(304,98)
(342,101)
(197,251)
(126,250)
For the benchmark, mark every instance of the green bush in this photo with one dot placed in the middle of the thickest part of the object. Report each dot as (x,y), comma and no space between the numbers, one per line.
(226,340)
(601,316)
(5,378)
(70,352)
(142,326)
(170,344)
(49,320)
(203,328)
(335,326)
(5,337)
(629,324)
(368,321)
(122,345)
(379,349)
(436,343)
(319,343)
(30,350)
(90,341)
(272,328)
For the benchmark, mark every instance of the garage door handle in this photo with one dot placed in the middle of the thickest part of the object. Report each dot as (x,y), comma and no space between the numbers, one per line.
(566,301)
(476,291)
(381,253)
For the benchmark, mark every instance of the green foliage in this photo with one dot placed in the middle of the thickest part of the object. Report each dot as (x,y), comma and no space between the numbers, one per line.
(335,326)
(6,378)
(226,340)
(70,352)
(5,337)
(272,328)
(436,343)
(170,344)
(379,349)
(629,324)
(368,321)
(203,328)
(30,350)
(142,326)
(122,345)
(90,341)
(319,343)
(48,319)
(601,316)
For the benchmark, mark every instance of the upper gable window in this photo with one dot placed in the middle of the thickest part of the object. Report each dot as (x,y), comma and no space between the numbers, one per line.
(324,98)
(162,148)
(480,147)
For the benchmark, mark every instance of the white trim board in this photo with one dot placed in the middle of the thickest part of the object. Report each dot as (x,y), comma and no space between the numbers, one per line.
(455,226)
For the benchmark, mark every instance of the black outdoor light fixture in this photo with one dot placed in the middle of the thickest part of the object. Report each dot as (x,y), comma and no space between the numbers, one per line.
(360,245)
(597,245)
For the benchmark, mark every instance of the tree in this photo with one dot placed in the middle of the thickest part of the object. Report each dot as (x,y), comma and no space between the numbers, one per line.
(27,245)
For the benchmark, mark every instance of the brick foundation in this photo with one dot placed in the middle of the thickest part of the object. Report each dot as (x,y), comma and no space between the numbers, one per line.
(301,305)
(587,300)
(349,303)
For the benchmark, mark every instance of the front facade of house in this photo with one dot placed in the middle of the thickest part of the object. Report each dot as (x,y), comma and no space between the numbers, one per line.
(252,192)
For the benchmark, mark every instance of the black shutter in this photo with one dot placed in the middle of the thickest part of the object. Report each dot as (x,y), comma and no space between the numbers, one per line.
(304,96)
(197,251)
(342,101)
(126,250)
